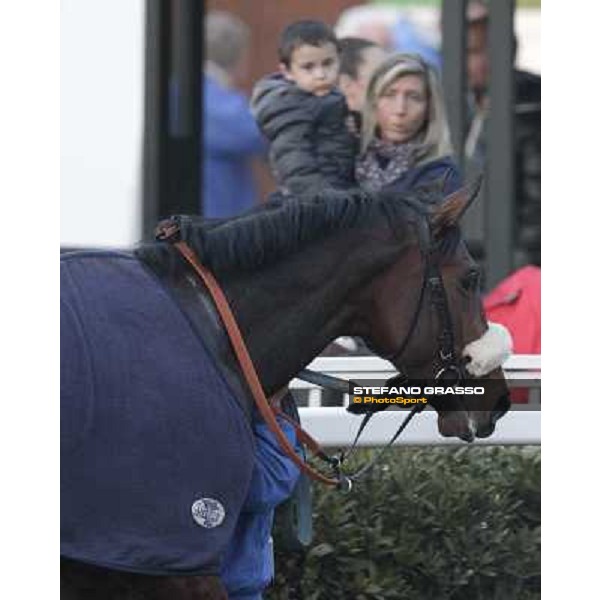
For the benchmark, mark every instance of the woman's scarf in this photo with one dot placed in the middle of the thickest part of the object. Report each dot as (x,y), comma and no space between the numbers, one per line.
(395,158)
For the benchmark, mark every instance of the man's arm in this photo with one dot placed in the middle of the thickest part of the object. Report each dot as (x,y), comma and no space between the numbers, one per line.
(274,475)
(229,127)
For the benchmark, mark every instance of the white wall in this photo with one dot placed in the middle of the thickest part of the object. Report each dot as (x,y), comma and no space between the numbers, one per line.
(101,85)
(528,27)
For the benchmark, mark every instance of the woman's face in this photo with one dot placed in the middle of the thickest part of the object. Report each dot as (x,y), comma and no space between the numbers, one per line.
(401,109)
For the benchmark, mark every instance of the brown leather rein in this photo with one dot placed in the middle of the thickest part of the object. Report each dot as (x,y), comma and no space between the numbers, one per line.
(168,231)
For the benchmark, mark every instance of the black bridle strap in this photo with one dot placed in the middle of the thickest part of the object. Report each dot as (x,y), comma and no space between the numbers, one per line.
(325,381)
(446,352)
(345,454)
(432,278)
(392,357)
(365,468)
(424,239)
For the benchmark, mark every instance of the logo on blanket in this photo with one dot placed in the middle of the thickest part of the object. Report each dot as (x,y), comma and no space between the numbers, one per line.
(208,512)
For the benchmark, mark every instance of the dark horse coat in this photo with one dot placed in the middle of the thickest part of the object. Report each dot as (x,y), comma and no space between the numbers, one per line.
(140,493)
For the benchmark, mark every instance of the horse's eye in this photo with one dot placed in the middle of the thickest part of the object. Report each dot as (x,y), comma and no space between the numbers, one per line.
(470,281)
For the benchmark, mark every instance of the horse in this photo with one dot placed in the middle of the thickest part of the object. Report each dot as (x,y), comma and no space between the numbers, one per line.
(154,411)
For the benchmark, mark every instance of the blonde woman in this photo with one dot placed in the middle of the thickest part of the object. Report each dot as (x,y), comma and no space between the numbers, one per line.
(405,140)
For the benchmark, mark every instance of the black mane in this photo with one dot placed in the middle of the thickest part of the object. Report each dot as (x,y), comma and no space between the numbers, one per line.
(274,230)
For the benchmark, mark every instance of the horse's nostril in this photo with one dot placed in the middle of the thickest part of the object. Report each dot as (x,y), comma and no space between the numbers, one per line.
(486,431)
(467,437)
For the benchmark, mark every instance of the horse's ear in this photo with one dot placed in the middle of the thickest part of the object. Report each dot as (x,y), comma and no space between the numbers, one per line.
(452,207)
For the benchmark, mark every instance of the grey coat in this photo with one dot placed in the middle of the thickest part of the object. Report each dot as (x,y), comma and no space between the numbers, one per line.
(311,147)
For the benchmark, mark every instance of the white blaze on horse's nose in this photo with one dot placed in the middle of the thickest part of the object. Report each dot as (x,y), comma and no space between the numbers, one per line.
(489,351)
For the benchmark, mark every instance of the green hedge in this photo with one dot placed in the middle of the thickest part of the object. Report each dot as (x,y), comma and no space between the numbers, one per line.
(435,523)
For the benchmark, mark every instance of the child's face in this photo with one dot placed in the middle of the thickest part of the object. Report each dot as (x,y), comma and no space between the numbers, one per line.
(314,68)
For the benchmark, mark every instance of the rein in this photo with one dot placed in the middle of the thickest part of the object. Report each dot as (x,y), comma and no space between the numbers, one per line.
(169,231)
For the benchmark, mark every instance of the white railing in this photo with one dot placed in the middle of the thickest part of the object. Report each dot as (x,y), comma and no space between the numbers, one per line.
(333,426)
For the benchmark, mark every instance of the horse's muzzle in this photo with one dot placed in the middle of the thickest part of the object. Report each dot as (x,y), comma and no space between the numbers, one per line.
(499,411)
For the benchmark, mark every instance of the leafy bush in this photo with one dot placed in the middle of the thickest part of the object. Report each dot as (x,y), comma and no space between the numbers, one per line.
(434,523)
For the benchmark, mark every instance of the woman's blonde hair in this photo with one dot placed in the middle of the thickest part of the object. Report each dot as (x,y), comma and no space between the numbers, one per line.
(435,140)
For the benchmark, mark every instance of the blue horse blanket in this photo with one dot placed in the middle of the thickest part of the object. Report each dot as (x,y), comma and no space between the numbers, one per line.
(156,453)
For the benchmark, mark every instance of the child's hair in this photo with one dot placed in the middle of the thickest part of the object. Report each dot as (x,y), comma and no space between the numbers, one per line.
(301,33)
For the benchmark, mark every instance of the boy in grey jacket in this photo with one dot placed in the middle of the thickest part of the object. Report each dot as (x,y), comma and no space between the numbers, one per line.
(304,115)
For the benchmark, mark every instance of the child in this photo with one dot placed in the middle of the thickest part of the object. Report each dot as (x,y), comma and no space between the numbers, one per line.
(304,115)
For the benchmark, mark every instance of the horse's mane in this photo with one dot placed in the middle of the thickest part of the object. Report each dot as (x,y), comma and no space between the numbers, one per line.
(282,226)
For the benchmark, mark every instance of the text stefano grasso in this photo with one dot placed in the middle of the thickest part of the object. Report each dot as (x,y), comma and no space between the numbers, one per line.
(416,390)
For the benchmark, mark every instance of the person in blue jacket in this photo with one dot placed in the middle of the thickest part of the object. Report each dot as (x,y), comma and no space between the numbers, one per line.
(405,140)
(248,565)
(231,137)
(407,37)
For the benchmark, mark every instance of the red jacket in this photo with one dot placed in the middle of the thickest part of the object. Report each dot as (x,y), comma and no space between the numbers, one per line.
(516,304)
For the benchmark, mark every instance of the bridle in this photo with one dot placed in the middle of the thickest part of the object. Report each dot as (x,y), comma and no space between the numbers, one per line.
(449,367)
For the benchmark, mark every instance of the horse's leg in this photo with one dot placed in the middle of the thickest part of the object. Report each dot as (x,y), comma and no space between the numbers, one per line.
(79,581)
(206,587)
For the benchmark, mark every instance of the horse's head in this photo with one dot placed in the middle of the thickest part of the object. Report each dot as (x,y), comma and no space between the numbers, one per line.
(426,316)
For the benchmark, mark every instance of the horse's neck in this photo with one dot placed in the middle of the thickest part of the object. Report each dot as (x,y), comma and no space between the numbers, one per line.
(290,312)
